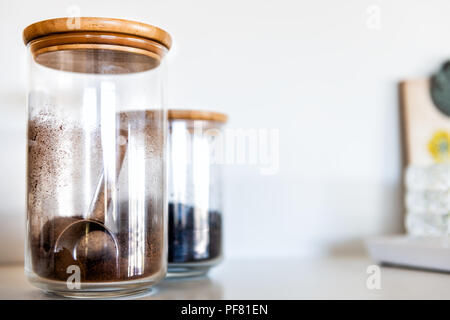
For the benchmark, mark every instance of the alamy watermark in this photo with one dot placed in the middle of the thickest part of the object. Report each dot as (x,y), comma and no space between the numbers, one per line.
(73,13)
(373,281)
(74,279)
(373,17)
(256,147)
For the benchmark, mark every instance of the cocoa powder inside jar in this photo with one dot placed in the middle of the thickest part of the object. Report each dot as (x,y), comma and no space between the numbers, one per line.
(57,197)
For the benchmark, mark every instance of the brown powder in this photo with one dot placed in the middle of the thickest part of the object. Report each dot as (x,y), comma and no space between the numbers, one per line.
(64,158)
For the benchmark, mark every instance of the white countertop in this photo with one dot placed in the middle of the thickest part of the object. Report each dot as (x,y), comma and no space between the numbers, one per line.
(326,278)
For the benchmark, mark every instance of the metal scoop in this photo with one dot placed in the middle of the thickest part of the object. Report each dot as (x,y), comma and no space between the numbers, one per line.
(91,233)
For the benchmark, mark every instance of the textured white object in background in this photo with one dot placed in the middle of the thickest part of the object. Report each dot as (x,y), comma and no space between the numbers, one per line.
(427,199)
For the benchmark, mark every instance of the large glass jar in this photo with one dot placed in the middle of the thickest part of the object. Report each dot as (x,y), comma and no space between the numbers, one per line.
(195,157)
(96,183)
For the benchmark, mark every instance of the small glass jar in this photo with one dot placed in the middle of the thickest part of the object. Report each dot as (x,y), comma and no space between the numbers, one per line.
(195,155)
(96,182)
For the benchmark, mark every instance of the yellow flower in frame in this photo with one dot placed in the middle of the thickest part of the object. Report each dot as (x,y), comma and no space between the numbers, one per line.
(439,146)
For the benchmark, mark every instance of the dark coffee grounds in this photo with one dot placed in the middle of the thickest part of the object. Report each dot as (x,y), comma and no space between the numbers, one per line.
(194,236)
(96,254)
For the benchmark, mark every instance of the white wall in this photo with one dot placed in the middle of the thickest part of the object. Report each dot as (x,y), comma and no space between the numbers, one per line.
(316,70)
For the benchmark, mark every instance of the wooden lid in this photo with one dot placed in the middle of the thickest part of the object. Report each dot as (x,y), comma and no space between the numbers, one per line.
(96,45)
(197,115)
(94,24)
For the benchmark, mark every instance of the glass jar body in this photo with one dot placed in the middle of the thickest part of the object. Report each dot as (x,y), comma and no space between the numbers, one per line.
(96,183)
(195,196)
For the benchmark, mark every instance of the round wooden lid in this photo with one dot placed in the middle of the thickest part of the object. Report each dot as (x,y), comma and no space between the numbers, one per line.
(97,25)
(96,45)
(197,115)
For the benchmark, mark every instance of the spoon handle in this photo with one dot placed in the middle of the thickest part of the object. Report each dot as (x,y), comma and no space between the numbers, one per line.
(102,196)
